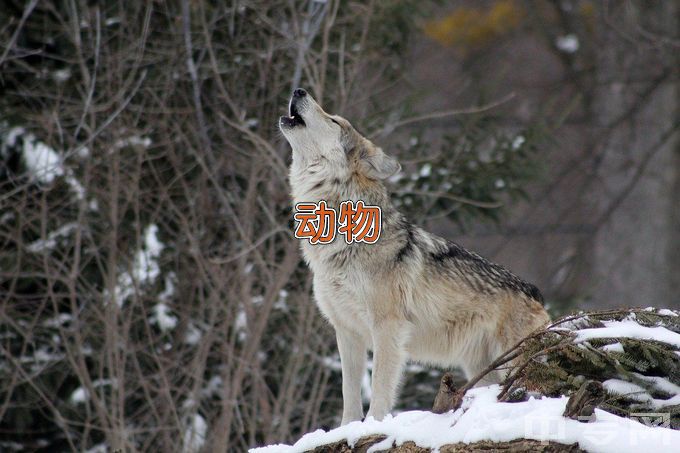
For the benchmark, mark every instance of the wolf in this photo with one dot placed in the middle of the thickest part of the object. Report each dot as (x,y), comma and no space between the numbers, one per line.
(409,296)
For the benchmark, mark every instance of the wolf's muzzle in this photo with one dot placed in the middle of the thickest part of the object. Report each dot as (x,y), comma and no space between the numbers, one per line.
(294,119)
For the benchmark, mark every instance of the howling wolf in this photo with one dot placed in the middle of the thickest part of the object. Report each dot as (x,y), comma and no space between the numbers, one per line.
(411,294)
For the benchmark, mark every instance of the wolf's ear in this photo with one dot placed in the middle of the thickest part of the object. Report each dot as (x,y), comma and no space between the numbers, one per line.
(378,165)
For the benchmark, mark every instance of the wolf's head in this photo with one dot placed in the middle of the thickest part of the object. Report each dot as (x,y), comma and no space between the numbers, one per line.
(318,138)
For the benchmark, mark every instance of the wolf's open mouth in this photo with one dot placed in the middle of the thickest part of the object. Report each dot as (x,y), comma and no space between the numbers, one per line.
(295,119)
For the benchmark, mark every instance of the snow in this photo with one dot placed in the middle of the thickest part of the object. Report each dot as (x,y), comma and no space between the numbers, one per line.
(75,186)
(151,242)
(146,261)
(133,140)
(50,242)
(661,383)
(281,302)
(194,435)
(83,152)
(169,290)
(41,355)
(241,324)
(629,329)
(425,170)
(517,142)
(213,387)
(568,43)
(633,391)
(15,446)
(99,448)
(667,312)
(13,134)
(332,363)
(42,162)
(614,347)
(81,394)
(481,417)
(193,335)
(58,320)
(62,75)
(638,393)
(145,268)
(162,316)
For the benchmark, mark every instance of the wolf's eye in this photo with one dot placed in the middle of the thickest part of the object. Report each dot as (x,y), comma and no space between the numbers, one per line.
(334,121)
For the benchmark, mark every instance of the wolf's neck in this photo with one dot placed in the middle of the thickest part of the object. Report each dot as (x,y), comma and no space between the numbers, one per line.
(334,192)
(311,186)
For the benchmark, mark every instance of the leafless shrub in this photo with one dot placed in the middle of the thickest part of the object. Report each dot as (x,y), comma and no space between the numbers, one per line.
(151,297)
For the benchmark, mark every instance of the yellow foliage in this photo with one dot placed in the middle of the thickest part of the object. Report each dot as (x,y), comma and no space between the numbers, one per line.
(587,11)
(471,27)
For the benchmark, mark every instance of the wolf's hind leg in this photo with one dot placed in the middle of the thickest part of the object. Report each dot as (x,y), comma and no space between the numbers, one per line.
(480,362)
(389,355)
(492,377)
(353,361)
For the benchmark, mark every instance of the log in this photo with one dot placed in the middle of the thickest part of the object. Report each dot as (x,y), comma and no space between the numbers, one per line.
(514,446)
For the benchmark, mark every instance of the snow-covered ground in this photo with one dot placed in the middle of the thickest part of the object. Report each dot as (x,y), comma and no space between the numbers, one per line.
(481,417)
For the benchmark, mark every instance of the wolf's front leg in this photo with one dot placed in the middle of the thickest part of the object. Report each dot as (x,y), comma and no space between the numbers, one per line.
(389,355)
(353,360)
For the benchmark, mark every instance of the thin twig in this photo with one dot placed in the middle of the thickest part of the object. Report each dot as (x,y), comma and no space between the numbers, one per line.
(10,45)
(442,114)
(458,198)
